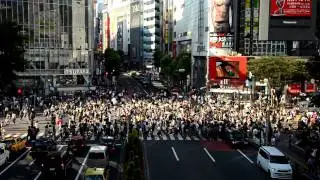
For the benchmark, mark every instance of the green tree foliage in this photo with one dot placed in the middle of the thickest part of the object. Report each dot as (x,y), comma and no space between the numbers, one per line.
(171,68)
(133,157)
(11,54)
(112,60)
(279,70)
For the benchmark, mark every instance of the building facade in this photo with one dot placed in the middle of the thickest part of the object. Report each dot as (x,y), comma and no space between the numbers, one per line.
(151,29)
(60,38)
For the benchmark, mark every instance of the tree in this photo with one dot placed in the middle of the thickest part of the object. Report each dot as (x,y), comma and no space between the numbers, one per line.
(11,54)
(279,70)
(112,61)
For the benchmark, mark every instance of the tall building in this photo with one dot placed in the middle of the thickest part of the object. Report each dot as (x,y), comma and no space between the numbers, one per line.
(151,29)
(167,25)
(134,27)
(60,41)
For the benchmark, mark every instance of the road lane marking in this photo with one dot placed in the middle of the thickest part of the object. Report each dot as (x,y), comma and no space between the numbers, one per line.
(82,166)
(164,137)
(40,134)
(24,135)
(188,138)
(38,175)
(205,150)
(174,153)
(195,138)
(30,164)
(157,138)
(245,156)
(180,137)
(15,161)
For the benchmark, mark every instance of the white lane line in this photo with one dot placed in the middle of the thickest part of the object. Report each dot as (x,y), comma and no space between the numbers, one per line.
(82,166)
(245,156)
(30,164)
(164,137)
(15,161)
(195,138)
(205,150)
(174,153)
(38,175)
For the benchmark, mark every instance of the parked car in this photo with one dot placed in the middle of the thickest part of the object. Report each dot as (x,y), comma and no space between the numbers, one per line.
(4,154)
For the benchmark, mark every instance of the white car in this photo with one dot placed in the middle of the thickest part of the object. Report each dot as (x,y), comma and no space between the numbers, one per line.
(273,161)
(4,154)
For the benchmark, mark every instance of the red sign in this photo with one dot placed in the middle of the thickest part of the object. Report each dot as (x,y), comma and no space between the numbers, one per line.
(291,8)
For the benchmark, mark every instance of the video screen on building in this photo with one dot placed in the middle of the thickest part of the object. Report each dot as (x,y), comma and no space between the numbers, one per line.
(227,69)
(291,8)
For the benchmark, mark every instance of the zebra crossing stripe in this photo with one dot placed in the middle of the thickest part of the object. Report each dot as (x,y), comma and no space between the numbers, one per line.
(202,138)
(164,137)
(40,134)
(171,137)
(149,138)
(195,138)
(141,138)
(157,138)
(92,138)
(24,135)
(188,138)
(180,137)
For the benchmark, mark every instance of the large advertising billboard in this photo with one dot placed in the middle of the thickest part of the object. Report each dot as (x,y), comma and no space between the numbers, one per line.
(227,67)
(220,24)
(291,8)
(120,35)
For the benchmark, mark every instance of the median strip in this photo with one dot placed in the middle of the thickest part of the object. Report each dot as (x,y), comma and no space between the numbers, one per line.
(174,153)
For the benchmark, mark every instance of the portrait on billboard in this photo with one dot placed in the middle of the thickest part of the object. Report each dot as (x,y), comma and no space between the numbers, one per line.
(227,69)
(220,24)
(291,8)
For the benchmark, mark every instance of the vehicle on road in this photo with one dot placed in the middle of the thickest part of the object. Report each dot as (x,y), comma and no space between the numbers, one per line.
(273,161)
(57,163)
(112,143)
(96,174)
(4,154)
(77,144)
(235,138)
(14,143)
(98,156)
(40,148)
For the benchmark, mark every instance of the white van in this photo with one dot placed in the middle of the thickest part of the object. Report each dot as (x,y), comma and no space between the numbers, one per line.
(4,154)
(97,156)
(273,161)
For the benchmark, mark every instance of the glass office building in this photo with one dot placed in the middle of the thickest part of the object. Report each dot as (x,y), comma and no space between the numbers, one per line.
(60,36)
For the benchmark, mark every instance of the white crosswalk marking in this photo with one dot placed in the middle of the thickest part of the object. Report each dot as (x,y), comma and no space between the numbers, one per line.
(141,138)
(92,138)
(188,138)
(40,134)
(171,137)
(202,138)
(180,137)
(157,138)
(149,138)
(195,138)
(164,137)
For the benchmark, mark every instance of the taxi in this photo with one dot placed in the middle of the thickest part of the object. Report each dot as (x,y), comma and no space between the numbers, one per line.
(14,143)
(96,174)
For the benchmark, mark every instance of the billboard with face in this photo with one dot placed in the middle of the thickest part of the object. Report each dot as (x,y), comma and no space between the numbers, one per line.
(291,8)
(220,24)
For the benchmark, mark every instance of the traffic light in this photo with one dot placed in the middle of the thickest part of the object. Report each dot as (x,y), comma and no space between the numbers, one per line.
(19,91)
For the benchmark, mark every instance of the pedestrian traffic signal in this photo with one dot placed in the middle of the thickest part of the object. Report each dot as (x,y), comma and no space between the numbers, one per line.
(19,91)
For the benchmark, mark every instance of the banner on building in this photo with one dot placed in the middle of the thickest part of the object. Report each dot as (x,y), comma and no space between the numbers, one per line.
(291,8)
(220,24)
(120,35)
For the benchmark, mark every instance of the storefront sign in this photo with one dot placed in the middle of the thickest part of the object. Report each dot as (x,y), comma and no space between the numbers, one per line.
(76,71)
(291,8)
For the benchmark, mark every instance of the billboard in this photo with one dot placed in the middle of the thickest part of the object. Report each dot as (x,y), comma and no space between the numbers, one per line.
(291,8)
(227,67)
(120,35)
(220,24)
(255,18)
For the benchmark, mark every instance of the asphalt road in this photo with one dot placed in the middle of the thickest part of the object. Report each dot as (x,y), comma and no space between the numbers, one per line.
(22,167)
(203,160)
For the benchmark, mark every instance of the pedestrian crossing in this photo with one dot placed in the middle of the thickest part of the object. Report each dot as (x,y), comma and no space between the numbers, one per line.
(171,137)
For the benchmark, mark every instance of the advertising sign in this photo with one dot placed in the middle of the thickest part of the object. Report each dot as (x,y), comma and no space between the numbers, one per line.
(220,23)
(291,8)
(227,67)
(120,35)
(76,71)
